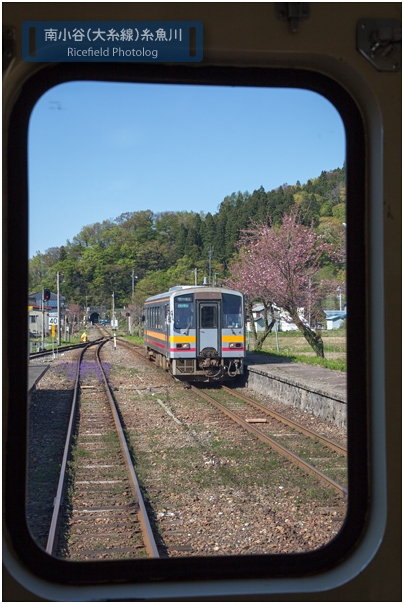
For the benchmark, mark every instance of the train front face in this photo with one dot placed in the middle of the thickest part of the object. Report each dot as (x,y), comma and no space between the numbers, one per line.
(207,337)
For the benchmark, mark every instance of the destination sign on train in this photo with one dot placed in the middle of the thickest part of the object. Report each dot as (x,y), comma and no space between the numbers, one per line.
(112,41)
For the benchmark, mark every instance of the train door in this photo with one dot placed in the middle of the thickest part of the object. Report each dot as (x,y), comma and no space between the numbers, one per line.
(208,326)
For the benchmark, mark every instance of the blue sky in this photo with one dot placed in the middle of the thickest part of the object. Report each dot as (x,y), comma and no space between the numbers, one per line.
(97,150)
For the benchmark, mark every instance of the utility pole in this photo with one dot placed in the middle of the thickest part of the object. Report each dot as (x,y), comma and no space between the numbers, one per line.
(214,279)
(58,309)
(43,319)
(113,318)
(196,276)
(133,286)
(210,252)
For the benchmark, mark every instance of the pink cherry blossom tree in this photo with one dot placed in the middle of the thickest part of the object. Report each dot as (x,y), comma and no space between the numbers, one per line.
(243,278)
(280,266)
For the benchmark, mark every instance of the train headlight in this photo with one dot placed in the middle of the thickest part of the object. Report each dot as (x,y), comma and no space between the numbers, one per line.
(232,345)
(183,346)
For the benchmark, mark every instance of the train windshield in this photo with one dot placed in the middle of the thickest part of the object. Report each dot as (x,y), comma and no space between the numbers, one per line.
(232,316)
(184,312)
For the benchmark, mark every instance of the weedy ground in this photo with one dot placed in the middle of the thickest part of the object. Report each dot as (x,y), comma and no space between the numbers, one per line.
(294,348)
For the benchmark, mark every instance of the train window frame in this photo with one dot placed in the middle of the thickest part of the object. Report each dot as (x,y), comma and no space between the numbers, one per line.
(209,320)
(226,302)
(166,571)
(176,301)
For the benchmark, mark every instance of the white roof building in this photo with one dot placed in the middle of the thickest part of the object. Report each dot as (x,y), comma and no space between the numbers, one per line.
(283,319)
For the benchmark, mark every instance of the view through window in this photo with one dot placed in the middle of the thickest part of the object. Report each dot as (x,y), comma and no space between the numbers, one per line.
(231,393)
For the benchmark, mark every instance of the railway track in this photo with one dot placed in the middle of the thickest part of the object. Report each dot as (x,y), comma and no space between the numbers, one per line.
(181,442)
(288,422)
(281,420)
(175,438)
(99,512)
(277,446)
(60,349)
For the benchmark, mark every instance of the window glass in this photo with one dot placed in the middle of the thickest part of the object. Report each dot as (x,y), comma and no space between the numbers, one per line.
(232,310)
(209,317)
(145,218)
(184,312)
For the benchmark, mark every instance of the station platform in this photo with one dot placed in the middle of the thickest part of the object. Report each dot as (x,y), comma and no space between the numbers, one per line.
(320,391)
(35,373)
(333,383)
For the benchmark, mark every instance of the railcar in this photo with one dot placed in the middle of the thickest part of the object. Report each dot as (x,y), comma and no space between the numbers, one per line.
(197,333)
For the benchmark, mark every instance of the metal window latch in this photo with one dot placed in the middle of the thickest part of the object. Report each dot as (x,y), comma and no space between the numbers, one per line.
(379,40)
(292,12)
(8,46)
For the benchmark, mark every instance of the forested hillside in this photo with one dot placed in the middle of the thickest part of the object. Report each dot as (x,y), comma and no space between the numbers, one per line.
(164,249)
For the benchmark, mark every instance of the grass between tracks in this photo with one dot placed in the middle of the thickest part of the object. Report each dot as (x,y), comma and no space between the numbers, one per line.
(218,460)
(217,483)
(134,339)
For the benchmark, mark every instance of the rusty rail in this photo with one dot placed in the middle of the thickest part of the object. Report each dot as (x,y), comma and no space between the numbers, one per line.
(51,543)
(147,532)
(133,346)
(60,349)
(275,445)
(289,422)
